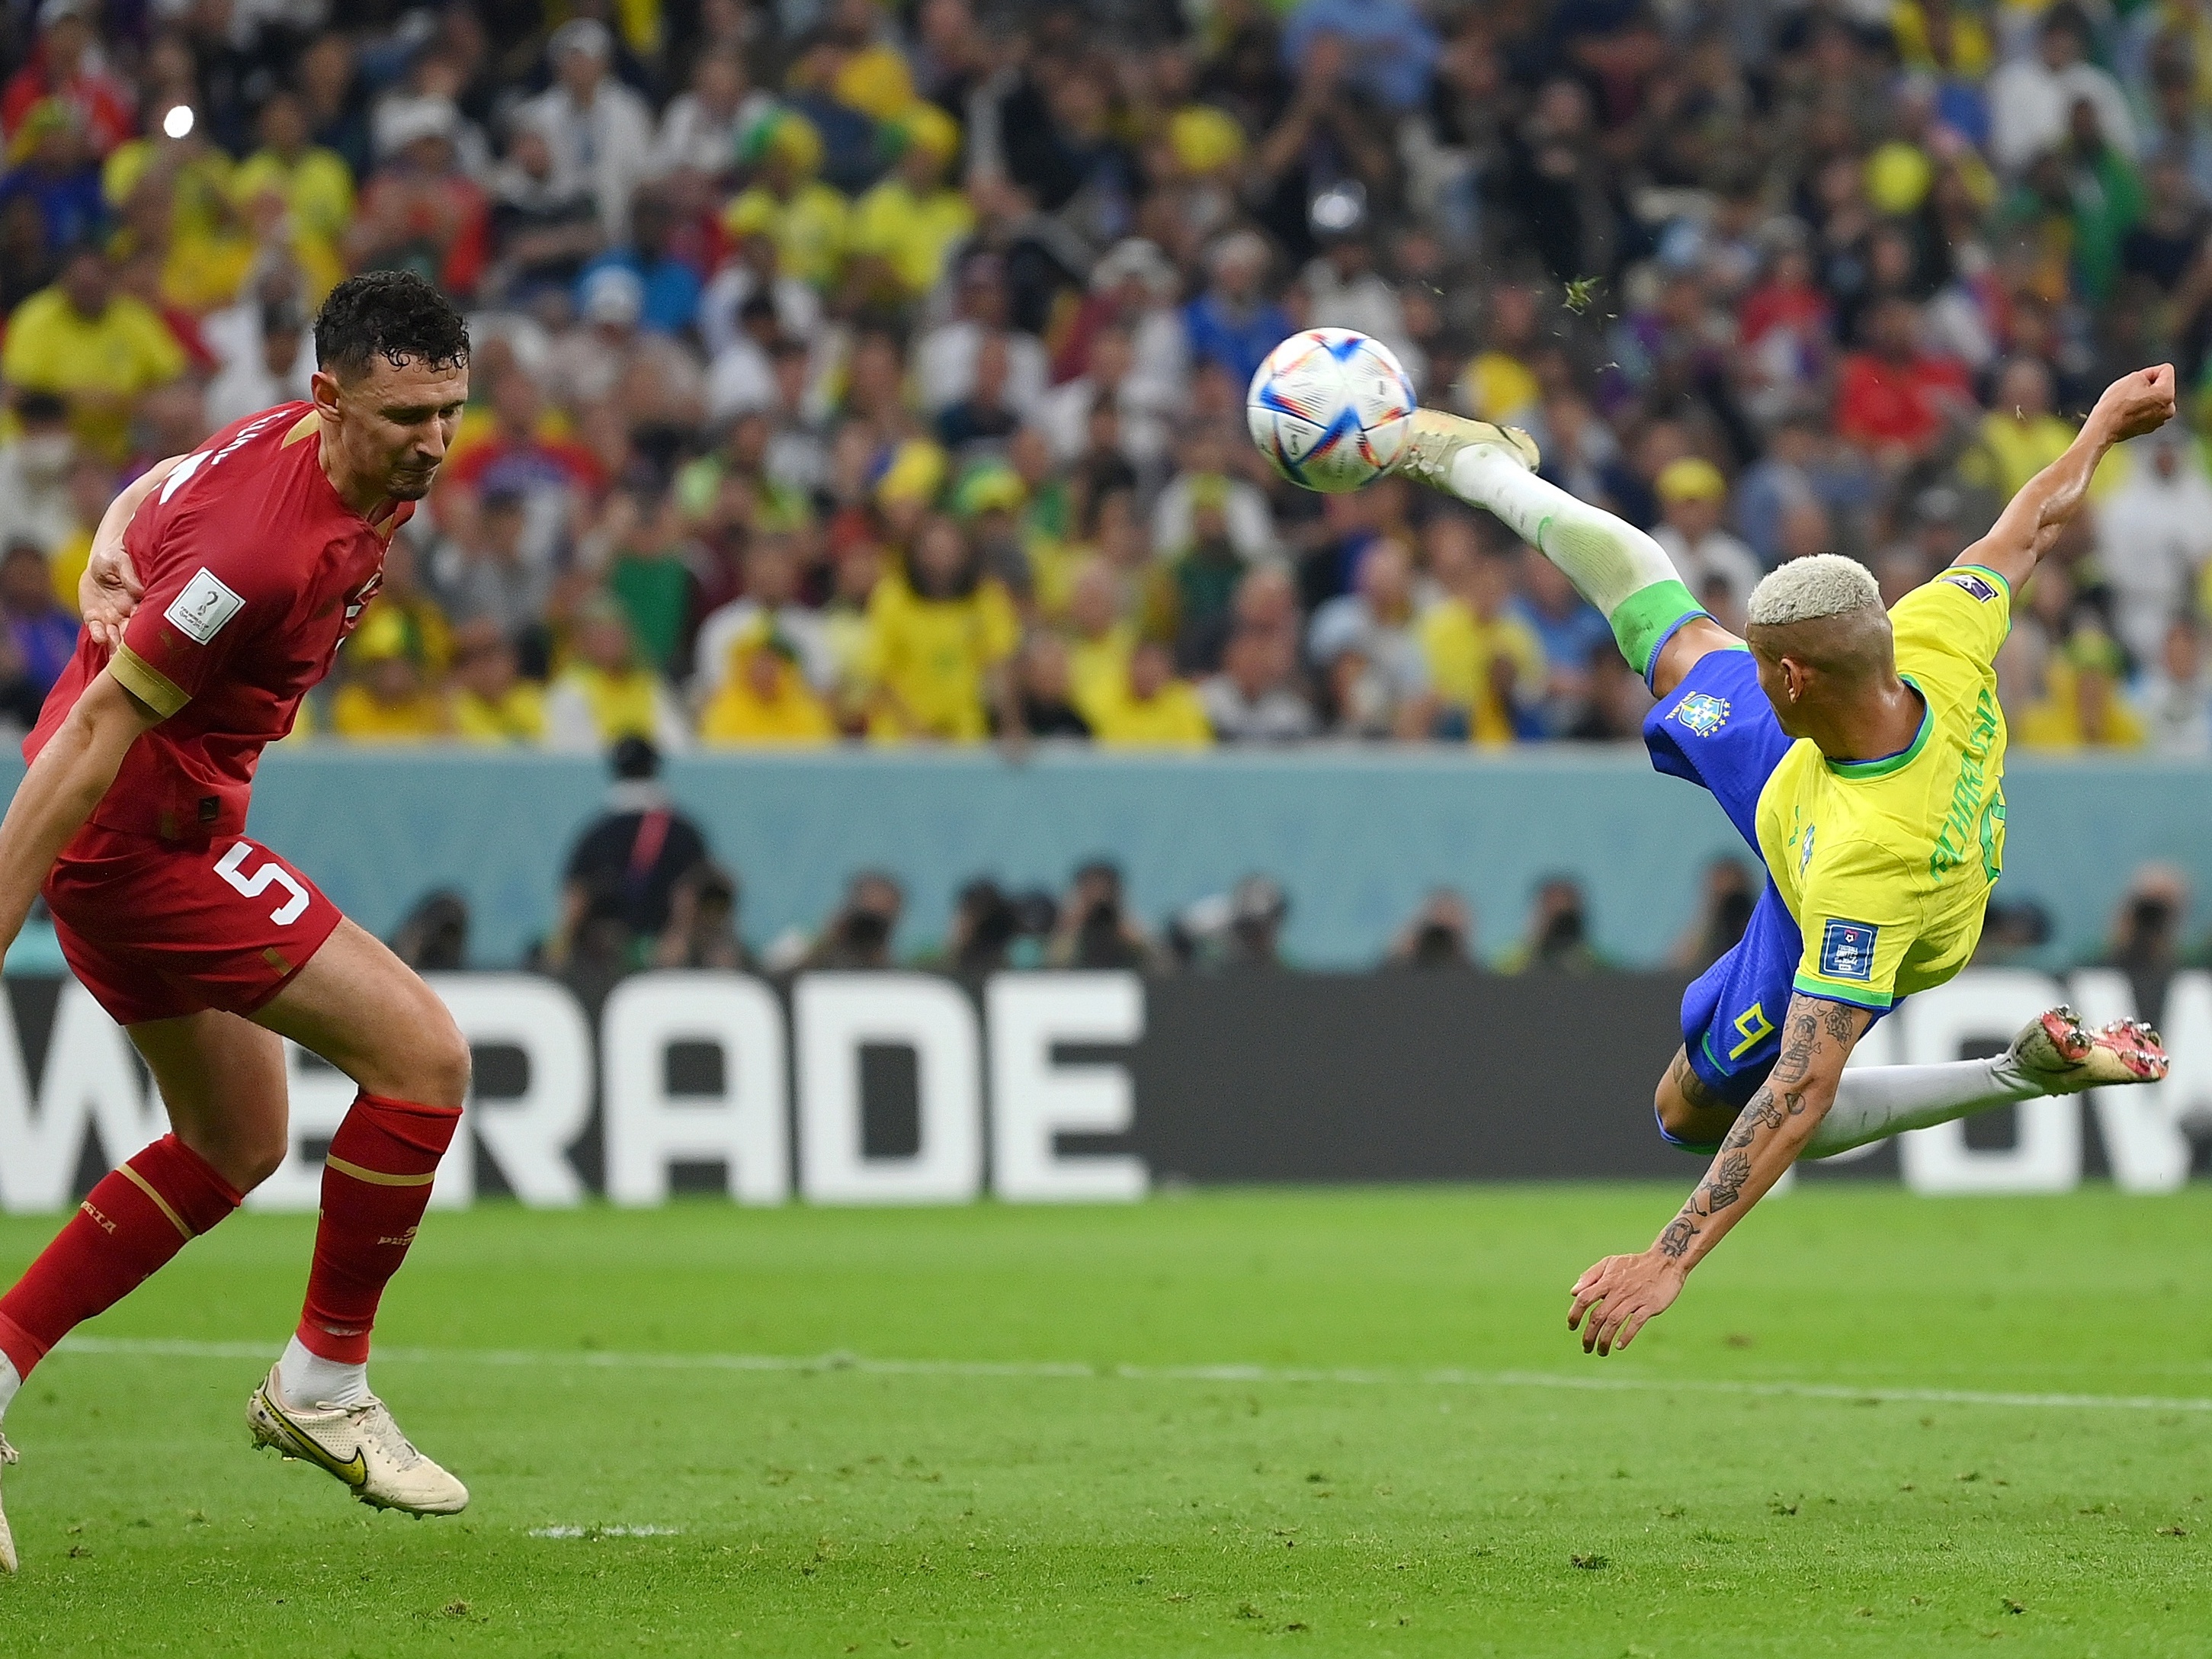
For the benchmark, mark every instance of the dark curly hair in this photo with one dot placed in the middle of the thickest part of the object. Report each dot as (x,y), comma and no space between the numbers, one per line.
(392,314)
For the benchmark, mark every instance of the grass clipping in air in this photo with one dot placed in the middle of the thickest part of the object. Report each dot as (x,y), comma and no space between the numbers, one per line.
(1353,1422)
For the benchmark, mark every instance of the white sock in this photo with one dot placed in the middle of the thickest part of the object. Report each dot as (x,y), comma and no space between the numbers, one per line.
(1606,558)
(309,1380)
(9,1383)
(1874,1102)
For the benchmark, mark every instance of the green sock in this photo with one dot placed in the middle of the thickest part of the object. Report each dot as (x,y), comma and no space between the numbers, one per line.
(1642,622)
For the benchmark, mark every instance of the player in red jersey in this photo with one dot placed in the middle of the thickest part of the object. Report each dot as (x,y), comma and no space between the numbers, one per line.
(248,563)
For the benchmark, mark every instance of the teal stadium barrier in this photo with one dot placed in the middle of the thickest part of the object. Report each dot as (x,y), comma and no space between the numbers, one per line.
(1356,837)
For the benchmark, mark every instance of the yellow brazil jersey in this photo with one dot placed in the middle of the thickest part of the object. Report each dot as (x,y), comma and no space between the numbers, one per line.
(931,656)
(1887,865)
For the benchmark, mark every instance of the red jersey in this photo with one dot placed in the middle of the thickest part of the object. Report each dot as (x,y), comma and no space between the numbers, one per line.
(254,570)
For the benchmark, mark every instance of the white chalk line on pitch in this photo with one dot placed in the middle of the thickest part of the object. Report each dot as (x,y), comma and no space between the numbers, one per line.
(598,1360)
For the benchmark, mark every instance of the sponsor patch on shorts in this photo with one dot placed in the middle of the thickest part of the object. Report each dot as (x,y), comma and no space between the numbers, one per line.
(203,607)
(1973,584)
(1847,950)
(1703,712)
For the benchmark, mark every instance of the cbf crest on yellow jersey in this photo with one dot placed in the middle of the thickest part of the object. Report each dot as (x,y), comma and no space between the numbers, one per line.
(1887,865)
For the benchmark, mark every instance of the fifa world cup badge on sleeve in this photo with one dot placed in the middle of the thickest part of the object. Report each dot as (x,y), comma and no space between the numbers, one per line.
(203,607)
(1973,584)
(1703,712)
(1847,950)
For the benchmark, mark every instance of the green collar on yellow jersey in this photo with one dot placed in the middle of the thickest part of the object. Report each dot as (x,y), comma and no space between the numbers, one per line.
(1904,757)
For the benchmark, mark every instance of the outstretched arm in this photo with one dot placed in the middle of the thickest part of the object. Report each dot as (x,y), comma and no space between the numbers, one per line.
(1622,1291)
(2132,405)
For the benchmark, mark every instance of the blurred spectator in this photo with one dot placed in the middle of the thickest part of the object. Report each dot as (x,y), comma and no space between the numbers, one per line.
(1099,640)
(807,221)
(618,887)
(940,637)
(1439,935)
(1694,498)
(2175,700)
(51,189)
(703,923)
(771,597)
(1485,664)
(600,132)
(2145,943)
(910,223)
(1151,706)
(1240,931)
(421,211)
(985,925)
(434,937)
(1723,912)
(385,698)
(858,935)
(2020,435)
(313,184)
(1094,928)
(544,224)
(1050,705)
(702,128)
(2153,535)
(95,349)
(1618,700)
(491,701)
(43,631)
(763,697)
(34,472)
(669,287)
(1558,939)
(66,69)
(1897,400)
(1368,644)
(279,370)
(1254,698)
(1233,324)
(2012,933)
(607,693)
(2081,705)
(2032,99)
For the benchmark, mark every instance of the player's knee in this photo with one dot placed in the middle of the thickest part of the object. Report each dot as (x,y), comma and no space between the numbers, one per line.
(443,1061)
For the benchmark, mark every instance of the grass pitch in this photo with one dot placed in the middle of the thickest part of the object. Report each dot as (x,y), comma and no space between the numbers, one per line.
(1876,1424)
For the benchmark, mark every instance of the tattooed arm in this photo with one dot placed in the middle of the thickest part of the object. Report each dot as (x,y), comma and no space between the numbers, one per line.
(1621,1292)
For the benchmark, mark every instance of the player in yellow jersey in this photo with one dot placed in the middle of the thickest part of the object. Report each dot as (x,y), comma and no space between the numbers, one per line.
(1861,753)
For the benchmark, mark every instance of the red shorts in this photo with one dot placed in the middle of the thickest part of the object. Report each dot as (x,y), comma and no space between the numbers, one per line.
(156,931)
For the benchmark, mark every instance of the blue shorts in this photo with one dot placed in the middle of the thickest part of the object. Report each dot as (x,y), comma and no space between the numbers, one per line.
(1717,729)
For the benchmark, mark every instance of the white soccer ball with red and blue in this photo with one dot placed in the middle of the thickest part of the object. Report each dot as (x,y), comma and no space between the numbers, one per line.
(1331,409)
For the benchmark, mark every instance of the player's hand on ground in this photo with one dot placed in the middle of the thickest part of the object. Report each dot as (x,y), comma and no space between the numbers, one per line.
(108,593)
(1618,1295)
(2138,403)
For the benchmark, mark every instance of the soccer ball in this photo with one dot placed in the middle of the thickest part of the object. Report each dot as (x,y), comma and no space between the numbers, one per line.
(1331,409)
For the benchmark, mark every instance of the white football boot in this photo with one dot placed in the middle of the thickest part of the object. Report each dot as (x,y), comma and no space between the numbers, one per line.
(359,1445)
(7,1538)
(1436,439)
(2062,1056)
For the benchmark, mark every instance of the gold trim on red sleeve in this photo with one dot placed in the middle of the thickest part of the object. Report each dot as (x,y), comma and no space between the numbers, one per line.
(306,427)
(146,682)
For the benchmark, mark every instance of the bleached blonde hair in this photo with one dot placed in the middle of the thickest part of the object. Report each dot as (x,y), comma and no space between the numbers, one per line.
(1810,589)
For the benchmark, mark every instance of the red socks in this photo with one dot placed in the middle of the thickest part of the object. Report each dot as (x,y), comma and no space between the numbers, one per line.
(376,1184)
(129,1226)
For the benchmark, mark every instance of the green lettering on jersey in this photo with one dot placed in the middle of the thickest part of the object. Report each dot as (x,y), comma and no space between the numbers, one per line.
(1971,820)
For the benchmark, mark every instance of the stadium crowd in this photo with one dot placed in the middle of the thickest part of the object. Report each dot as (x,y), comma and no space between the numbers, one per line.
(874,371)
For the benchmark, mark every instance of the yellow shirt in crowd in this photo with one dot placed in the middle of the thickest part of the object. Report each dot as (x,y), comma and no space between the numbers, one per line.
(517,717)
(113,357)
(1459,647)
(1096,667)
(810,231)
(358,716)
(1175,719)
(624,705)
(931,656)
(912,234)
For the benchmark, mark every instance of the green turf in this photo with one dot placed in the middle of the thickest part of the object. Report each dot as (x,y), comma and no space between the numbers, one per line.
(848,1508)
